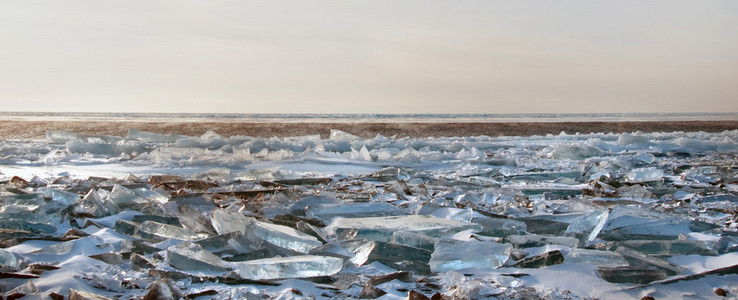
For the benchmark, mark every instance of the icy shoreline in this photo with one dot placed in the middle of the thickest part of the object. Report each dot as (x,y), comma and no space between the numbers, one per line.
(602,215)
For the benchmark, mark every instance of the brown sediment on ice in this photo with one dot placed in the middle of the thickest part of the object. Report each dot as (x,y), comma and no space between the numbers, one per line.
(37,129)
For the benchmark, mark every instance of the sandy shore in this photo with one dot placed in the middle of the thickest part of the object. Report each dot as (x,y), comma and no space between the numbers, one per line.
(37,129)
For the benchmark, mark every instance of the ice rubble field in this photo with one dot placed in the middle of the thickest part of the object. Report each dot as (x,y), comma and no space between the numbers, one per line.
(560,216)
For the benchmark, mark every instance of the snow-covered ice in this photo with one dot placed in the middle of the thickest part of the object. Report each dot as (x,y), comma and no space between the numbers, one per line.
(603,215)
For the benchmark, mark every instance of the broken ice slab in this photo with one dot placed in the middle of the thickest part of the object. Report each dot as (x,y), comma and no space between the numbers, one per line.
(535,240)
(303,266)
(225,221)
(25,226)
(156,218)
(382,228)
(61,137)
(160,231)
(414,240)
(452,213)
(299,207)
(401,257)
(355,252)
(587,227)
(126,198)
(91,206)
(352,210)
(8,261)
(633,276)
(638,260)
(500,227)
(126,227)
(188,256)
(629,222)
(194,220)
(634,192)
(597,258)
(452,255)
(151,137)
(283,236)
(666,248)
(551,224)
(644,175)
(542,260)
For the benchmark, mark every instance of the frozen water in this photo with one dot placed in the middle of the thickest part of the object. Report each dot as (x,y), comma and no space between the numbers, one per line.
(602,259)
(382,228)
(288,267)
(452,255)
(352,210)
(191,257)
(618,208)
(8,261)
(159,231)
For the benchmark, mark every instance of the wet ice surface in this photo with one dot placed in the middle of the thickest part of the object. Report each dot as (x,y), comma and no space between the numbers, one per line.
(560,216)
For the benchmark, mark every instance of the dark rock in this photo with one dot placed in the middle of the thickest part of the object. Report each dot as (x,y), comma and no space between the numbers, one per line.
(157,180)
(403,276)
(19,182)
(437,296)
(39,269)
(14,296)
(371,292)
(721,292)
(648,298)
(413,295)
(55,296)
(164,289)
(16,275)
(81,295)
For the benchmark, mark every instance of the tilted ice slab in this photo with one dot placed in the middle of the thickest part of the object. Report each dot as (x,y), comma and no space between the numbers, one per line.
(382,228)
(452,255)
(288,267)
(278,235)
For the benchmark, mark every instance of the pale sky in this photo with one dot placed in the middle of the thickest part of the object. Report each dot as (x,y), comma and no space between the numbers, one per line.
(379,56)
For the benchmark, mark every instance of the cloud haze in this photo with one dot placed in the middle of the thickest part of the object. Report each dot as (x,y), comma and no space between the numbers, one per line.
(369,56)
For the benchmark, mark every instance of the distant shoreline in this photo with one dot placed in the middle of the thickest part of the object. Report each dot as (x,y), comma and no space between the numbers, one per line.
(20,129)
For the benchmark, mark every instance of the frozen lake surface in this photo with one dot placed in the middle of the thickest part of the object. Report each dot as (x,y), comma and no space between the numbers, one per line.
(608,216)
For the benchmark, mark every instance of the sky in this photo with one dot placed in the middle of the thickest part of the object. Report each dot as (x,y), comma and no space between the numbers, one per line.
(379,56)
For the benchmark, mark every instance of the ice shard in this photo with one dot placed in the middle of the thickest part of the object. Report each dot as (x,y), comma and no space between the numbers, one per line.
(352,210)
(414,240)
(452,255)
(283,236)
(191,257)
(535,240)
(639,260)
(126,198)
(356,252)
(382,228)
(91,206)
(8,261)
(597,258)
(626,222)
(643,175)
(227,221)
(160,231)
(303,266)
